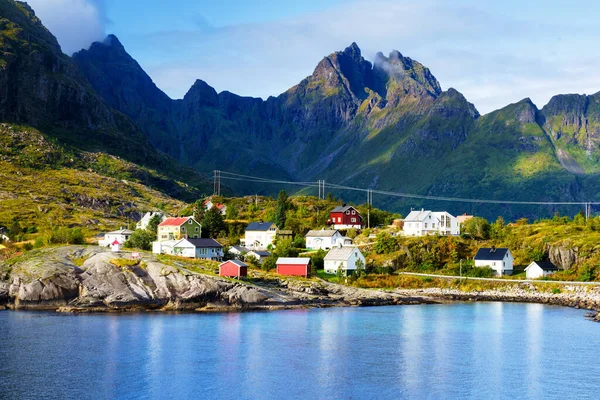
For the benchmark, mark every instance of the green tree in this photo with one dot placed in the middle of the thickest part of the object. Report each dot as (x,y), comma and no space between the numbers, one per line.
(477,228)
(153,223)
(15,230)
(385,244)
(360,268)
(281,209)
(212,223)
(317,260)
(269,263)
(140,239)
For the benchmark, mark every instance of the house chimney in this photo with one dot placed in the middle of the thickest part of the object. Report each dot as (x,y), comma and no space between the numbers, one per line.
(493,249)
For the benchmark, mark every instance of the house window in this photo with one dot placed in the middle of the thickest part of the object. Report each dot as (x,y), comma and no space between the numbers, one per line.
(425,225)
(190,222)
(195,236)
(348,212)
(196,229)
(339,219)
(353,219)
(353,212)
(183,229)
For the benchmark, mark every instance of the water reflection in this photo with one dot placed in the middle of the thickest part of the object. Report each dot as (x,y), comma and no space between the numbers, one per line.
(457,351)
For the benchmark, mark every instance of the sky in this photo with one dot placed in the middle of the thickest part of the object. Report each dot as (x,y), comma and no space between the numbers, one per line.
(494,52)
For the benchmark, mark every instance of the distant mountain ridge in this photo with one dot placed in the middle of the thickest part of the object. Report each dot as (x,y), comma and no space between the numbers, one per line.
(384,125)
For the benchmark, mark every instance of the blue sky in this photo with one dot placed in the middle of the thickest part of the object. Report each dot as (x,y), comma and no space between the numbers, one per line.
(494,52)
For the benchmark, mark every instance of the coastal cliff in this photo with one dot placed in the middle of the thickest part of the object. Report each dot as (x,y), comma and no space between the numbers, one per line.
(89,278)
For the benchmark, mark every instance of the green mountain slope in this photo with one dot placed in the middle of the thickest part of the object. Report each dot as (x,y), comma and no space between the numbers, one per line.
(385,125)
(62,147)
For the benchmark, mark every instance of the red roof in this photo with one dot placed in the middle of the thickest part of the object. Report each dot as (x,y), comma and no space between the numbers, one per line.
(174,221)
(115,242)
(220,206)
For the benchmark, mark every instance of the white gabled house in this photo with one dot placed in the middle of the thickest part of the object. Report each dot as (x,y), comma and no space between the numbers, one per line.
(540,269)
(202,248)
(499,259)
(121,236)
(143,222)
(344,258)
(259,255)
(259,235)
(425,222)
(323,239)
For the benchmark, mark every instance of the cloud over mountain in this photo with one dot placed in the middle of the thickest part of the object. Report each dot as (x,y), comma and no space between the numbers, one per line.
(75,23)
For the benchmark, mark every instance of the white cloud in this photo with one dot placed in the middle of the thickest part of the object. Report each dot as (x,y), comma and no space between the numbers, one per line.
(75,23)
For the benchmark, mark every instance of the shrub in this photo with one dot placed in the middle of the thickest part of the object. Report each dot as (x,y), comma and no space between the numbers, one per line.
(64,235)
(385,244)
(555,290)
(140,239)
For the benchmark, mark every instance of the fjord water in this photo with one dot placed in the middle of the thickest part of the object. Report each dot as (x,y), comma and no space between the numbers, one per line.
(464,350)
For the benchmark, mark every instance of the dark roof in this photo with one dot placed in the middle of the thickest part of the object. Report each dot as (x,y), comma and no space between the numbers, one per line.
(204,243)
(259,226)
(343,208)
(262,253)
(495,254)
(546,265)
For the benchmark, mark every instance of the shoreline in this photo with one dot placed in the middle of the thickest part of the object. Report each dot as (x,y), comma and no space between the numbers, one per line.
(50,280)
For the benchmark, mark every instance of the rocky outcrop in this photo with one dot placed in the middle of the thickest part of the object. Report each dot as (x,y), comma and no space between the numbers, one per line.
(49,280)
(563,255)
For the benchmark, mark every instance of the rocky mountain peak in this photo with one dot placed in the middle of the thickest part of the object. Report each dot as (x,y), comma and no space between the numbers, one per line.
(202,93)
(353,51)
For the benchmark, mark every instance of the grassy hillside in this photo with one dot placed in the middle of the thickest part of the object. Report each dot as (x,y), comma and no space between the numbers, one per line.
(44,184)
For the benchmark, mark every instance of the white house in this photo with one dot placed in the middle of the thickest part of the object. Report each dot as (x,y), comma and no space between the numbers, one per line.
(499,259)
(192,248)
(425,222)
(199,248)
(164,247)
(344,258)
(121,236)
(259,235)
(143,222)
(322,239)
(208,204)
(540,269)
(237,251)
(258,255)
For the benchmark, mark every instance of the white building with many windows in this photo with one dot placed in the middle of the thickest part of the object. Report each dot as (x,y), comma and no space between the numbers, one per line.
(425,222)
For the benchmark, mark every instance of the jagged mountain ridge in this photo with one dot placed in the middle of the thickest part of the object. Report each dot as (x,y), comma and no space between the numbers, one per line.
(385,125)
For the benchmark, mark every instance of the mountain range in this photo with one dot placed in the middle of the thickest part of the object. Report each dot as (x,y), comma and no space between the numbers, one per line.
(385,125)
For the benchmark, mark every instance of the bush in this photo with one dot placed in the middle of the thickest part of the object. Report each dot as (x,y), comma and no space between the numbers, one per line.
(140,239)
(64,235)
(385,244)
(27,246)
(555,290)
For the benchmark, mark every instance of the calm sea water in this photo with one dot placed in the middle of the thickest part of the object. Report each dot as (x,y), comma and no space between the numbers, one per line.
(475,350)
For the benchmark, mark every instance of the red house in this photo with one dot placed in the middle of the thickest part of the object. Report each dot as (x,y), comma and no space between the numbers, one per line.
(293,266)
(233,269)
(345,217)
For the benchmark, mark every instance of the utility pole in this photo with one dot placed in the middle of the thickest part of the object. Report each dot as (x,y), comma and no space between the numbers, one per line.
(217,182)
(369,208)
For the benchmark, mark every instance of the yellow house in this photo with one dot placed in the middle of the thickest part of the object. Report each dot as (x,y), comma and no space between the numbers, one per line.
(179,228)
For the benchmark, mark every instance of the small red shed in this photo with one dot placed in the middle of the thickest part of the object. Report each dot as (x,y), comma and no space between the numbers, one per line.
(233,269)
(295,266)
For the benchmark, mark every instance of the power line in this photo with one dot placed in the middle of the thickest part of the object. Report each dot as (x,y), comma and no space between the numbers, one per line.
(322,184)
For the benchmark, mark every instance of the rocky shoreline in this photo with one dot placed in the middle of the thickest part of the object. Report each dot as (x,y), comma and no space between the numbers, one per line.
(51,280)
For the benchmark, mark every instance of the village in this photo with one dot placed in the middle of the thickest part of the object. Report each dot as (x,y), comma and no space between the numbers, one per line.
(324,250)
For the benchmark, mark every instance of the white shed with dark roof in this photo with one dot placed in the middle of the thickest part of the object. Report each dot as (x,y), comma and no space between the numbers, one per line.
(499,259)
(540,269)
